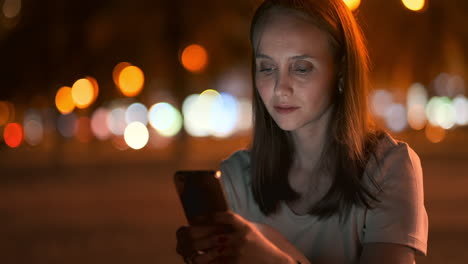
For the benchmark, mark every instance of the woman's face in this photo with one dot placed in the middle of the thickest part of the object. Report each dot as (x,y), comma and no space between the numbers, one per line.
(295,70)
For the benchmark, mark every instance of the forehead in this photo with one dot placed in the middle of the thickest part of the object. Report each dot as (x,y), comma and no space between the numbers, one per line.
(289,30)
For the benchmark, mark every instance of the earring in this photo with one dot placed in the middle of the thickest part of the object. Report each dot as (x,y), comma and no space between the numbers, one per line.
(340,86)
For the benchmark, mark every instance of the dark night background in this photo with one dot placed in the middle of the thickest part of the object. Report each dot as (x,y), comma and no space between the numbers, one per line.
(65,201)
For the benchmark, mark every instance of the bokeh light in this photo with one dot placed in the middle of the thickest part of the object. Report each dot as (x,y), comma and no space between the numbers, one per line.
(64,100)
(136,135)
(414,5)
(13,135)
(381,100)
(83,129)
(117,70)
(119,142)
(165,119)
(116,121)
(131,80)
(352,4)
(66,125)
(460,103)
(244,121)
(395,117)
(434,134)
(95,86)
(224,115)
(416,102)
(99,124)
(11,8)
(33,127)
(194,58)
(4,112)
(83,93)
(440,112)
(136,112)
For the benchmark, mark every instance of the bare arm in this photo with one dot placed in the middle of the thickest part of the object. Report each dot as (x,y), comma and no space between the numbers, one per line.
(386,253)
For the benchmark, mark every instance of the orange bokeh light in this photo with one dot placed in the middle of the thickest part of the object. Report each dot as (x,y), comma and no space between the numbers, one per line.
(13,135)
(435,134)
(95,87)
(4,113)
(194,58)
(64,100)
(83,93)
(117,70)
(131,80)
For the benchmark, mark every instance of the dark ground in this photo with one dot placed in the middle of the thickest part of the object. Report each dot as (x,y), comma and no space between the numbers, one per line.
(128,213)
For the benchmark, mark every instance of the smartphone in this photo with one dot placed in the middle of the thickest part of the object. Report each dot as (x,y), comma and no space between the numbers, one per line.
(201,194)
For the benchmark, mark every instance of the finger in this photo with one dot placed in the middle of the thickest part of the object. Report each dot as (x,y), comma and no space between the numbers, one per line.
(192,238)
(181,231)
(214,241)
(202,231)
(208,256)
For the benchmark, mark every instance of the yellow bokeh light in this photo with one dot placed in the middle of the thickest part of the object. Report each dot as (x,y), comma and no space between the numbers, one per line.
(352,4)
(64,100)
(194,58)
(131,80)
(82,93)
(414,5)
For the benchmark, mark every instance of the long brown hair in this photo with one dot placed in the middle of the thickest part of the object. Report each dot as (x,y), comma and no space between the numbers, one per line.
(353,137)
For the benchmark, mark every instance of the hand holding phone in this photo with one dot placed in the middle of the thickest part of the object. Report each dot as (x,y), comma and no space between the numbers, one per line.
(201,194)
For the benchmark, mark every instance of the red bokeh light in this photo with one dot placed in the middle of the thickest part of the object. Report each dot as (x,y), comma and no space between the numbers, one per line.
(13,135)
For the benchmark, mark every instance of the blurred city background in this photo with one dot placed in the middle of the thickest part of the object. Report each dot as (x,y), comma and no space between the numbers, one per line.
(102,101)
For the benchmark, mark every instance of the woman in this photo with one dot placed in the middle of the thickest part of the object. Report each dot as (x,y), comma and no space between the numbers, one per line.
(319,183)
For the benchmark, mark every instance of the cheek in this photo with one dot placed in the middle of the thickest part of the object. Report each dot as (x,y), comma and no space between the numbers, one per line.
(264,87)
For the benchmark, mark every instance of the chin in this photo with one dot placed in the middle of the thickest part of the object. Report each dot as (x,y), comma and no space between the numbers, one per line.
(287,126)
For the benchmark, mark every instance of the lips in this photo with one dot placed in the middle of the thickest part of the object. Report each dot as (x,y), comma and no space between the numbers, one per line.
(283,109)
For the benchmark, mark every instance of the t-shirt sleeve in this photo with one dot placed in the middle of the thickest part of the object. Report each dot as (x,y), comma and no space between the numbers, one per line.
(233,179)
(400,217)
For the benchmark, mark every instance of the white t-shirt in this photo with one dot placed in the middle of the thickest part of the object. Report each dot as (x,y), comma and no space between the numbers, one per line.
(400,218)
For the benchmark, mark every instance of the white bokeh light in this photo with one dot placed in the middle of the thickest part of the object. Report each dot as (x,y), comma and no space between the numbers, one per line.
(395,117)
(136,135)
(136,112)
(116,121)
(165,119)
(460,103)
(381,100)
(223,115)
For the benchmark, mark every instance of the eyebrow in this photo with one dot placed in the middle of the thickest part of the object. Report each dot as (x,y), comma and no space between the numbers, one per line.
(297,57)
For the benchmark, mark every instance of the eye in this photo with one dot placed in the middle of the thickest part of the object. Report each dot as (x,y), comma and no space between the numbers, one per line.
(303,68)
(266,68)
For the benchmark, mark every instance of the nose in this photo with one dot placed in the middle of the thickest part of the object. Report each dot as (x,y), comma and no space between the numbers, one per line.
(283,86)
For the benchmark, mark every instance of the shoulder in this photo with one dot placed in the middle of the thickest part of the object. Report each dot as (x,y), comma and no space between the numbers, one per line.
(393,157)
(240,159)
